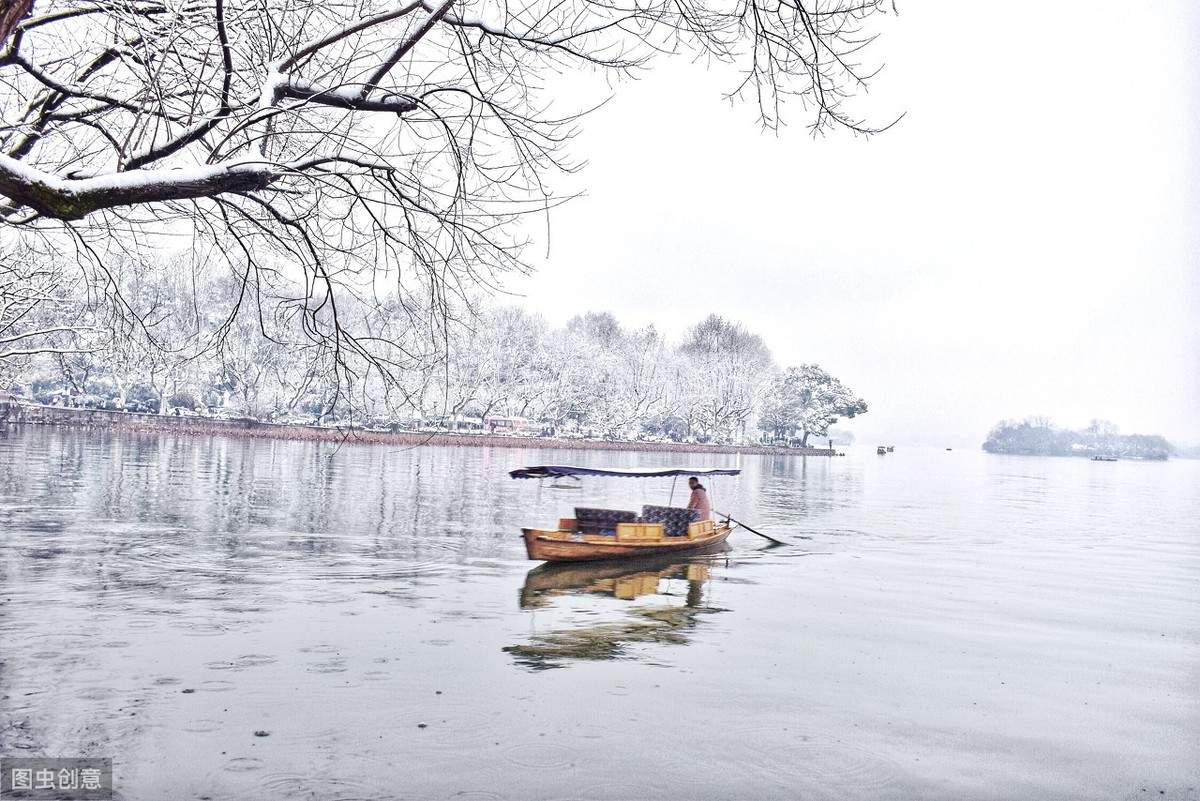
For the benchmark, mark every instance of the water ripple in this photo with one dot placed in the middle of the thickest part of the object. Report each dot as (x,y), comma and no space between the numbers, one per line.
(294,785)
(541,756)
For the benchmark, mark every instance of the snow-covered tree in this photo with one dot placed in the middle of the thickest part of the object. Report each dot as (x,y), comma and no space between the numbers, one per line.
(38,308)
(252,356)
(646,372)
(569,373)
(807,400)
(722,373)
(496,364)
(1101,435)
(629,379)
(348,145)
(172,328)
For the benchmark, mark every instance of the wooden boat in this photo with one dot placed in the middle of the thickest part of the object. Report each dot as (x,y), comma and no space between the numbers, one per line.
(568,545)
(1104,458)
(596,534)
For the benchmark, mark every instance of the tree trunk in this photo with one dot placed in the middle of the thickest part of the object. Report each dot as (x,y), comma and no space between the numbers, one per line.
(11,13)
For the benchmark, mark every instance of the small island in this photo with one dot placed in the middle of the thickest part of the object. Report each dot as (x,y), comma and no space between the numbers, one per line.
(1037,436)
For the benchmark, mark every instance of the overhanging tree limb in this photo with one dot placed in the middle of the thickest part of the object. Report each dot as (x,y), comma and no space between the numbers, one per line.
(76,198)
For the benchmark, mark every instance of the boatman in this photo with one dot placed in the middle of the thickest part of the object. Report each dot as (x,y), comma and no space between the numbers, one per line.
(699,499)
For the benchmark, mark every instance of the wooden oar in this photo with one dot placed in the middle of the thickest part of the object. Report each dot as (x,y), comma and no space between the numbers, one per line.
(753,531)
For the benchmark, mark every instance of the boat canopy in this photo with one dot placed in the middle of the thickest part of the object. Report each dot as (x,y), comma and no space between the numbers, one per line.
(566,471)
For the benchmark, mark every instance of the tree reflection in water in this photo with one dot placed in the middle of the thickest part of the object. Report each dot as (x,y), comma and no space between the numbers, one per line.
(665,622)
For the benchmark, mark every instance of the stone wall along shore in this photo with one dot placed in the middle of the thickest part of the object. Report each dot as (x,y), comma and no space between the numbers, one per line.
(16,411)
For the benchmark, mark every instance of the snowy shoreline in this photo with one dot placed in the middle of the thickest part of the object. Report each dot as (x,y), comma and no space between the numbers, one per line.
(21,412)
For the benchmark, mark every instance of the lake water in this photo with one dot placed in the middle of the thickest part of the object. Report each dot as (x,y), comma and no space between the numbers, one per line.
(945,625)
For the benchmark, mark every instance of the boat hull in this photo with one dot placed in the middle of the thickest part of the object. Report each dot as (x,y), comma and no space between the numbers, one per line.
(564,546)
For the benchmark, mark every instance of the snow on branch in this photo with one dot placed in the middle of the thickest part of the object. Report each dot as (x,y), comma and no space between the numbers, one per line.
(350,98)
(75,198)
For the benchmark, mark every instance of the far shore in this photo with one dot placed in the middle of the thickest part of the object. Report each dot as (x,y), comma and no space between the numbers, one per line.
(15,411)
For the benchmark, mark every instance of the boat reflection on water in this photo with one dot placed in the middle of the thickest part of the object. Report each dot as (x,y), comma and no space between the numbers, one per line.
(623,579)
(670,595)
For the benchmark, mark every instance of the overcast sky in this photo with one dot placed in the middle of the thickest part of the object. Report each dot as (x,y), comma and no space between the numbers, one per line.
(1023,242)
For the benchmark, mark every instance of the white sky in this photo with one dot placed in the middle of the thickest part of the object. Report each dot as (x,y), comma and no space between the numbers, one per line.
(1023,242)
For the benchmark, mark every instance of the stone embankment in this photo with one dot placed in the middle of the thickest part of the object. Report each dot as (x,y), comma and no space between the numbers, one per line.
(17,411)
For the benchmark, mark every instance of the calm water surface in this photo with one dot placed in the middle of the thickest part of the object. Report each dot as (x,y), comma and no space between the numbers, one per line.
(946,625)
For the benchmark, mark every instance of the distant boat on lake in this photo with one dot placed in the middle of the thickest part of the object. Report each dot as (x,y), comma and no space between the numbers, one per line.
(1104,458)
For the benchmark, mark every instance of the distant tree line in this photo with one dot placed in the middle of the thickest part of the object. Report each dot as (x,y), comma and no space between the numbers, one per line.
(452,362)
(1038,436)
